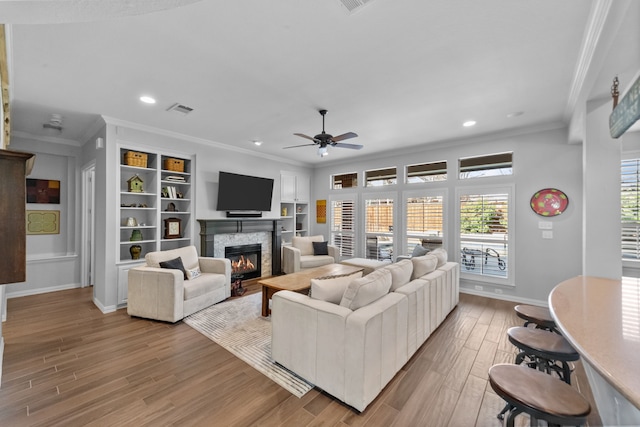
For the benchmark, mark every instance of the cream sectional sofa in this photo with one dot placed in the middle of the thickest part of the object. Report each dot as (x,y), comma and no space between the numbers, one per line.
(353,348)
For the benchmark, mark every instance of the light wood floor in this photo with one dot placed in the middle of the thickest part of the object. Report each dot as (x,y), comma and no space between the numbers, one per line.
(66,363)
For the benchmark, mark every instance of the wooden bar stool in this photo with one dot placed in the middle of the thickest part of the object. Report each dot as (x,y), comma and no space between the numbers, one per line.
(539,395)
(539,316)
(543,350)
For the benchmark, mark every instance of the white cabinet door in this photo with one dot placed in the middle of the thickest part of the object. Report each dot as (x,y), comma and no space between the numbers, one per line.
(302,189)
(287,188)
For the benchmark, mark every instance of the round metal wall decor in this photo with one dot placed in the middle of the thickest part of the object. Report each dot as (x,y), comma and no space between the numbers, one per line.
(549,202)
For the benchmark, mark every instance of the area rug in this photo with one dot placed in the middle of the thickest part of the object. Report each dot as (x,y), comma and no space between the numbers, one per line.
(238,326)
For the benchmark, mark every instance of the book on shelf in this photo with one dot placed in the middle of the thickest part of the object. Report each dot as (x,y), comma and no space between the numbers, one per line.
(175,178)
(169,192)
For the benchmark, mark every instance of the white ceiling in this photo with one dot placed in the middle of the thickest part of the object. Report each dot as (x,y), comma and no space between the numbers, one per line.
(399,73)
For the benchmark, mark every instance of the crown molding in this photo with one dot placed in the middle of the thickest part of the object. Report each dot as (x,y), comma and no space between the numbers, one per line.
(52,139)
(208,143)
(595,26)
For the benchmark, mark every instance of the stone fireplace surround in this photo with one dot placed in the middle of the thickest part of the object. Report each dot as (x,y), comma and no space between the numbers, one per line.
(215,234)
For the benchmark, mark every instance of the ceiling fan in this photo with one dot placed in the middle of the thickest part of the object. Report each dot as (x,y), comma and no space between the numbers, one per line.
(324,140)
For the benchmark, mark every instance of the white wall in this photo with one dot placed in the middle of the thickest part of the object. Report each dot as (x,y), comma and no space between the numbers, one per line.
(52,259)
(541,159)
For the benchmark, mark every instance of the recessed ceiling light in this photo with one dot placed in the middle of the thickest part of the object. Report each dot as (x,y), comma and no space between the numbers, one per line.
(147,99)
(469,123)
(515,114)
(258,143)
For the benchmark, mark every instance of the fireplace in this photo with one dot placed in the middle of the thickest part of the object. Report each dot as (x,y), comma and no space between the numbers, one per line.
(246,260)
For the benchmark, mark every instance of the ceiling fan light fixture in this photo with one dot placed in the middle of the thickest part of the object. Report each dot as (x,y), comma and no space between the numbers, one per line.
(323,151)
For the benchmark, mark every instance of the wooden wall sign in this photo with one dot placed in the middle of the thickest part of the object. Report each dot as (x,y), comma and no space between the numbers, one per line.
(627,112)
(321,211)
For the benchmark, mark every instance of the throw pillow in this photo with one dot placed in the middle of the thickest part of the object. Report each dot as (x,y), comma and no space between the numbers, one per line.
(331,288)
(423,265)
(419,250)
(367,289)
(320,248)
(400,273)
(441,254)
(192,273)
(175,264)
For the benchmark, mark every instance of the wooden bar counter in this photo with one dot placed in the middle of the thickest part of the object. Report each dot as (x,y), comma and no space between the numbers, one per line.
(601,319)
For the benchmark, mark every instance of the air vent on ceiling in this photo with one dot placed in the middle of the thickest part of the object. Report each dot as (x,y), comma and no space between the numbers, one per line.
(354,6)
(180,108)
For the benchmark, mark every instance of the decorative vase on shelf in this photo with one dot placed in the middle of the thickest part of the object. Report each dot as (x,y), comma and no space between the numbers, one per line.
(284,211)
(135,251)
(136,235)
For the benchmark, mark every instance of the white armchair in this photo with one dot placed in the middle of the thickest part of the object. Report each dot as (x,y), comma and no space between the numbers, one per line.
(300,254)
(166,294)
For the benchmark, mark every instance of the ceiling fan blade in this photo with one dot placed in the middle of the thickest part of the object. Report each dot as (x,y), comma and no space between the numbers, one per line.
(296,146)
(344,136)
(307,137)
(345,145)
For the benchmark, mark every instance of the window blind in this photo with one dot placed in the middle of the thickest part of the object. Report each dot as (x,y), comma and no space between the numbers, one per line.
(484,232)
(343,226)
(630,208)
(423,220)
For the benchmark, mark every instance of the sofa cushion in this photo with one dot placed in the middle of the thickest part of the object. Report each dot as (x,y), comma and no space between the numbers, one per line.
(400,273)
(188,254)
(331,288)
(204,284)
(423,265)
(367,289)
(311,261)
(305,244)
(441,254)
(320,248)
(174,264)
(420,250)
(193,273)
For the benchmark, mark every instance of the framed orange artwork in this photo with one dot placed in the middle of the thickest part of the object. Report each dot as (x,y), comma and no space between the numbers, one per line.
(321,211)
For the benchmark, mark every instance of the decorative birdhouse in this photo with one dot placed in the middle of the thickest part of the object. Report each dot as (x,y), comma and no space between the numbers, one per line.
(135,184)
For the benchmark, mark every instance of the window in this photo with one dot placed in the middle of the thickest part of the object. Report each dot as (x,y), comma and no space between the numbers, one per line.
(343,226)
(483,166)
(427,172)
(484,233)
(630,208)
(380,177)
(345,180)
(379,228)
(424,217)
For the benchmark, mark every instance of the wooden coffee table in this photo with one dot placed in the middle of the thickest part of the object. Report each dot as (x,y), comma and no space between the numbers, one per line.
(299,282)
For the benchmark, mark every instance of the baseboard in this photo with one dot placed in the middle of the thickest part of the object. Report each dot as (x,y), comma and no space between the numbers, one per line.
(104,309)
(27,292)
(504,297)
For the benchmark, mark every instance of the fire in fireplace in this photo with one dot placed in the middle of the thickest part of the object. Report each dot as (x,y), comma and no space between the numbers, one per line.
(245,260)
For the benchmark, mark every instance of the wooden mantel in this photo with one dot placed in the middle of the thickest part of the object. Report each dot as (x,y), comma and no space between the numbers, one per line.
(210,227)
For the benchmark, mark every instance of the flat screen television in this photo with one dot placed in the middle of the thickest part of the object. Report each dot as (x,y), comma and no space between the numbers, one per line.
(243,192)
